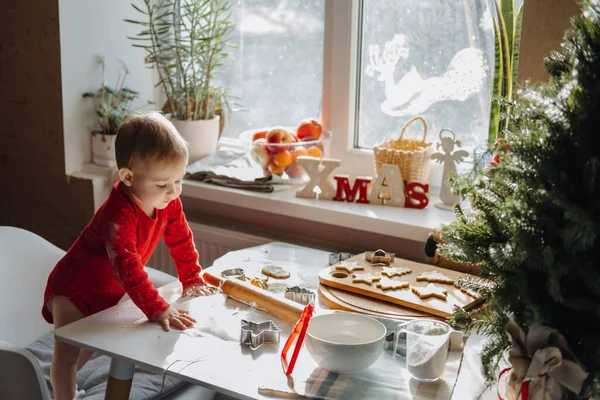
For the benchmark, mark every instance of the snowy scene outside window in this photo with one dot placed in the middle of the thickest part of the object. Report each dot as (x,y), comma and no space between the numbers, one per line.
(425,57)
(275,72)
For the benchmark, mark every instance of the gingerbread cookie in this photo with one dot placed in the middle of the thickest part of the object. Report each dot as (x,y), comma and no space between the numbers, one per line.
(390,284)
(365,278)
(468,292)
(430,291)
(435,277)
(398,271)
(275,271)
(348,266)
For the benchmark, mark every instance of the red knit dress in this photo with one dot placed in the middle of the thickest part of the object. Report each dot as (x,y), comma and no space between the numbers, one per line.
(108,258)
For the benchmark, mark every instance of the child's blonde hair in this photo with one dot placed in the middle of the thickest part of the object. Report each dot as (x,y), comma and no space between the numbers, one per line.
(148,136)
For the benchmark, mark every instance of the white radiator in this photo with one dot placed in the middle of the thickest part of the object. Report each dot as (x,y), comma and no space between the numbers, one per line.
(211,242)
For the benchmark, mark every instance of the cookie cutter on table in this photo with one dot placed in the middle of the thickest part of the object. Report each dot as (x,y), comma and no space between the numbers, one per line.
(300,295)
(335,258)
(256,334)
(234,273)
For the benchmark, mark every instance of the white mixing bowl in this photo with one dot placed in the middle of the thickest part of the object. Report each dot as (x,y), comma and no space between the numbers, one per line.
(344,342)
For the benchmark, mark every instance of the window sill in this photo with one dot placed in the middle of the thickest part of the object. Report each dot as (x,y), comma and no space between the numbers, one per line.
(404,223)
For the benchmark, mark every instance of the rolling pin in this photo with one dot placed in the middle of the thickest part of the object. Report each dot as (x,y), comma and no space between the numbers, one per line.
(271,303)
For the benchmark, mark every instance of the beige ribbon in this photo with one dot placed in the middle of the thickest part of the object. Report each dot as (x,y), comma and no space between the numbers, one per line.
(543,358)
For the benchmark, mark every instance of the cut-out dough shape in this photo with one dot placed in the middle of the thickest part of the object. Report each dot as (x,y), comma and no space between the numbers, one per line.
(430,291)
(397,271)
(390,284)
(365,278)
(468,292)
(348,266)
(435,277)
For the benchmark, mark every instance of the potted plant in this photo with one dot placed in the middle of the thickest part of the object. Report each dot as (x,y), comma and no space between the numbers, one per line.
(186,43)
(111,107)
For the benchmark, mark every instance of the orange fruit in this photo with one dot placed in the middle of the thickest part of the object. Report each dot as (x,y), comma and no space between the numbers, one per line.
(275,169)
(309,127)
(259,135)
(283,159)
(299,151)
(315,152)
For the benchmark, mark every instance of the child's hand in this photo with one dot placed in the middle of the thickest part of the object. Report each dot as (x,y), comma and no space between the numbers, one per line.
(199,290)
(178,319)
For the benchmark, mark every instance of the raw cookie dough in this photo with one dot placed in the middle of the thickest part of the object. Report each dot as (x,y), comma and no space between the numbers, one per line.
(348,266)
(365,278)
(390,284)
(395,271)
(435,276)
(430,291)
(275,271)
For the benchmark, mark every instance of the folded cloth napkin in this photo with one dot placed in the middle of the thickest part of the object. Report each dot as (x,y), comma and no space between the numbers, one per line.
(263,185)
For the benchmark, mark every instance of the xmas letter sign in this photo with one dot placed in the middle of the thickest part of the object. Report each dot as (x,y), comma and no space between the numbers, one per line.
(387,189)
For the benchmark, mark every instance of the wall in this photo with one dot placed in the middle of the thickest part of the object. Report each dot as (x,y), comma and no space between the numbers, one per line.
(48,59)
(544,24)
(36,194)
(89,28)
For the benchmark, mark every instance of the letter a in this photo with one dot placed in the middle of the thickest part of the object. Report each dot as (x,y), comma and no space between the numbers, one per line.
(388,188)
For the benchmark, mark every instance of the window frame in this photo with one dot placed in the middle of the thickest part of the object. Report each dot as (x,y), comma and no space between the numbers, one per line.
(340,90)
(340,86)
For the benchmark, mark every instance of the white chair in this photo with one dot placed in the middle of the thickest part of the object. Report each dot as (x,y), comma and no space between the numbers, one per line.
(25,263)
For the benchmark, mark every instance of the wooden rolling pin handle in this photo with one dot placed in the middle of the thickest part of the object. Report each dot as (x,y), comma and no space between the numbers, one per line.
(211,279)
(277,306)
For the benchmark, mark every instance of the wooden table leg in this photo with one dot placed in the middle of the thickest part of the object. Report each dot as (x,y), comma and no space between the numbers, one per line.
(119,380)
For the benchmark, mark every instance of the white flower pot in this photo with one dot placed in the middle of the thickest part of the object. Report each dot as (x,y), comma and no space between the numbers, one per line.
(103,150)
(202,136)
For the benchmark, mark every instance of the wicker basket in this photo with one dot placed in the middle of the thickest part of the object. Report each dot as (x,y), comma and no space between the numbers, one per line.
(411,155)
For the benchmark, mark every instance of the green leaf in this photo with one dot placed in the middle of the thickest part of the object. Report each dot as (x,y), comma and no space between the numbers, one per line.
(136,22)
(496,88)
(89,94)
(517,43)
(108,89)
(139,10)
(508,8)
(127,90)
(101,113)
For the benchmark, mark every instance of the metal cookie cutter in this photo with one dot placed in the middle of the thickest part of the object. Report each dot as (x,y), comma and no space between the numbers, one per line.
(233,273)
(379,257)
(300,295)
(255,334)
(335,258)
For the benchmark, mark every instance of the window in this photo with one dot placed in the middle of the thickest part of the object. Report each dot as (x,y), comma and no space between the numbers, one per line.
(424,57)
(275,71)
(365,67)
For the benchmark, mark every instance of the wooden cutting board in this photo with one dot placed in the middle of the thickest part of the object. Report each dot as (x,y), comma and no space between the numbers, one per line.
(338,299)
(403,297)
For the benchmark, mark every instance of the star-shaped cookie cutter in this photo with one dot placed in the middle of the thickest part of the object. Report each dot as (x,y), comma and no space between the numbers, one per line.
(299,295)
(379,257)
(256,333)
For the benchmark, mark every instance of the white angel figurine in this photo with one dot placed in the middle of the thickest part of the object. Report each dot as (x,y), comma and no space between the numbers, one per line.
(449,159)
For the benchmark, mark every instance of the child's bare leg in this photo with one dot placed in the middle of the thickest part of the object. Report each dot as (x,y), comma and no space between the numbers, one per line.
(63,369)
(84,357)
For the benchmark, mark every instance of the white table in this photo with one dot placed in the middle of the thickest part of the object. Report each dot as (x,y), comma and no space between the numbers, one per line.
(217,360)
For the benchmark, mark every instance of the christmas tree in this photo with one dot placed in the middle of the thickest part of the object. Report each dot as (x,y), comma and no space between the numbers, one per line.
(531,221)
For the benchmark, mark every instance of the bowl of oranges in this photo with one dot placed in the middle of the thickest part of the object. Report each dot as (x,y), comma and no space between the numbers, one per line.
(276,149)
